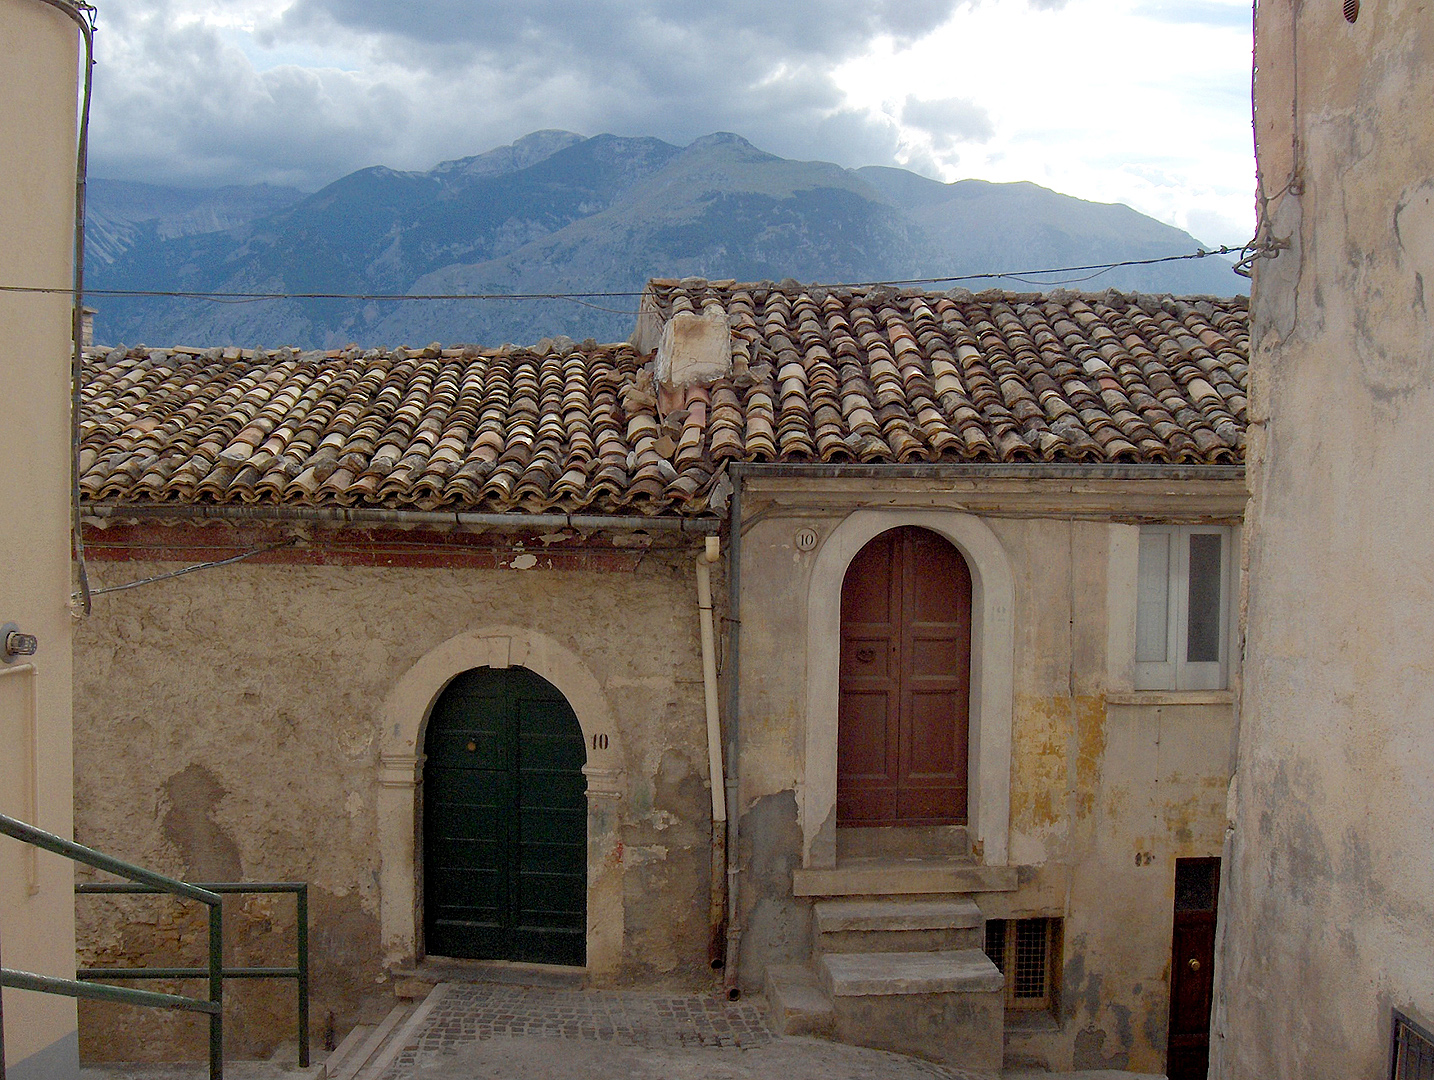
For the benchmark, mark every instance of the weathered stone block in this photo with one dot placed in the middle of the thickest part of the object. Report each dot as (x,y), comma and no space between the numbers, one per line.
(945,1006)
(695,349)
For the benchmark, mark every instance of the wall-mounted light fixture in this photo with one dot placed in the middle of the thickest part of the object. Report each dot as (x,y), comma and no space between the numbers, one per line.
(13,643)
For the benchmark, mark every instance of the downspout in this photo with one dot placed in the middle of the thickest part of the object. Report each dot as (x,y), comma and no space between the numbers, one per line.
(711,553)
(734,700)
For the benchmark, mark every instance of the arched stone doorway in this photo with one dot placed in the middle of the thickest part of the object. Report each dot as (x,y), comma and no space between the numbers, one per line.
(505,821)
(406,713)
(905,683)
(992,666)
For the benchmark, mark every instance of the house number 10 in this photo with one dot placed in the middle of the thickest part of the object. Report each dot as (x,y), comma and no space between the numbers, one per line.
(600,741)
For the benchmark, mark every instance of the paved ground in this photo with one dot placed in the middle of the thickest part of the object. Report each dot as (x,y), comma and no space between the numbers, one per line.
(495,1032)
(490,1031)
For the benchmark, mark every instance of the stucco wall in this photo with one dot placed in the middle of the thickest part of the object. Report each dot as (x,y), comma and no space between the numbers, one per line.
(1108,786)
(1330,921)
(37,128)
(229,725)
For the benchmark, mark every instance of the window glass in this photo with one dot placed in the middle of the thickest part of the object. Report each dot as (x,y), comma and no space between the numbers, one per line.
(1196,881)
(1202,635)
(1152,611)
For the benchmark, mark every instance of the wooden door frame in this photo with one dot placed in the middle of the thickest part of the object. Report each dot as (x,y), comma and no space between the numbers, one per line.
(992,673)
(400,826)
(890,617)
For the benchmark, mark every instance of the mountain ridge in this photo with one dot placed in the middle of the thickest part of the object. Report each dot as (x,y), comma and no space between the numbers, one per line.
(557,212)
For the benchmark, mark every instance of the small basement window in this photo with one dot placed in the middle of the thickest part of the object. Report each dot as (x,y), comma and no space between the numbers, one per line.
(1412,1055)
(1028,953)
(1182,614)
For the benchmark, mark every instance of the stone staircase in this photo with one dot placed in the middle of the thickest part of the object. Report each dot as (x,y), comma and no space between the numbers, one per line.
(898,961)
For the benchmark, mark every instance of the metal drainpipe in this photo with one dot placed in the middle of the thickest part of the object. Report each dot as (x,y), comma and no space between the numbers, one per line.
(716,775)
(734,701)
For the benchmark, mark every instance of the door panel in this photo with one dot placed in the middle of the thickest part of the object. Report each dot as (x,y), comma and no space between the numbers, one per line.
(1192,968)
(905,677)
(505,821)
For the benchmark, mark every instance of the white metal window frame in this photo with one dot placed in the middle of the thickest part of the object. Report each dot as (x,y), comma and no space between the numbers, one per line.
(1162,610)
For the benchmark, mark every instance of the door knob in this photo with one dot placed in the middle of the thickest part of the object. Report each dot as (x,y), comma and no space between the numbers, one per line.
(1194,964)
(474,746)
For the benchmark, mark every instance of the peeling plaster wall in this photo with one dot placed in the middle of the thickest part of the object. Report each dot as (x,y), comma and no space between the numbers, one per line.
(227,726)
(1108,786)
(1330,917)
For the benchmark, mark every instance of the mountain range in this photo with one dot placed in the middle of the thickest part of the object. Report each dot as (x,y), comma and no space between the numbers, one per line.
(556,212)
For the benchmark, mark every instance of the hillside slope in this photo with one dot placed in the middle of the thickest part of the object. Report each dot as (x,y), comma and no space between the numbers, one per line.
(556,212)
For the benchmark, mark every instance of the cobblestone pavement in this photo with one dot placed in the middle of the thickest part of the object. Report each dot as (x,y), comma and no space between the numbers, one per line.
(500,1032)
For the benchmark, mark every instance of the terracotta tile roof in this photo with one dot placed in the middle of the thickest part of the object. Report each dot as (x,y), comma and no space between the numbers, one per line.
(832,376)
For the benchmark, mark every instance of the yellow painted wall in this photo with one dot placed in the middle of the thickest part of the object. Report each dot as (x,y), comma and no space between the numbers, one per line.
(1109,786)
(38,65)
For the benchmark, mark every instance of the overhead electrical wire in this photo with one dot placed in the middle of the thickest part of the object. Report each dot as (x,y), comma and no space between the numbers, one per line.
(195,567)
(1029,277)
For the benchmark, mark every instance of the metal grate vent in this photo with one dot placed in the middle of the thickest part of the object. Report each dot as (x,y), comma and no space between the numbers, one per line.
(1027,952)
(1412,1056)
(1351,10)
(1029,979)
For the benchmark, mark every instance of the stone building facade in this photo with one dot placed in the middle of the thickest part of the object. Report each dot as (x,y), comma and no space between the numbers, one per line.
(1325,955)
(409,518)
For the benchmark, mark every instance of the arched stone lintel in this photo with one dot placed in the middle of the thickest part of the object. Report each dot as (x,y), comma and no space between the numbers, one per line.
(405,719)
(992,675)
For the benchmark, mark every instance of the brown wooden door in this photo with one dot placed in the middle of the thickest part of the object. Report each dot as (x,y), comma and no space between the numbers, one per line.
(905,683)
(1192,964)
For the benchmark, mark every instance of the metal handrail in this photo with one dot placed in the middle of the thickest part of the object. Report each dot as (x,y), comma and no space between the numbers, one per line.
(299,972)
(45,984)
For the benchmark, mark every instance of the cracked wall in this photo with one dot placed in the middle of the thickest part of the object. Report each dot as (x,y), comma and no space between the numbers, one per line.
(1108,786)
(227,727)
(1329,918)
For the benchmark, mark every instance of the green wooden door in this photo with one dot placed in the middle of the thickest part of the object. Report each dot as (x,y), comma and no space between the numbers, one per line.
(505,821)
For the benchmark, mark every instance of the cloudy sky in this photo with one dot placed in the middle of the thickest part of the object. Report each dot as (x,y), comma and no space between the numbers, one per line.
(1138,101)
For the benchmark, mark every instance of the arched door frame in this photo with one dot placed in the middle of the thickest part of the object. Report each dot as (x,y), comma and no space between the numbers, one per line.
(405,720)
(992,672)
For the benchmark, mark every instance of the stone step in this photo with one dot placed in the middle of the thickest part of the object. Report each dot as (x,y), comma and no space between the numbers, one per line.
(233,1070)
(883,974)
(902,877)
(921,842)
(358,1058)
(896,925)
(796,1002)
(943,1006)
(400,1034)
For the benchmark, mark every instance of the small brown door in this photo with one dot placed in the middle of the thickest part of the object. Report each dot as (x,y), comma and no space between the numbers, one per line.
(1192,963)
(905,683)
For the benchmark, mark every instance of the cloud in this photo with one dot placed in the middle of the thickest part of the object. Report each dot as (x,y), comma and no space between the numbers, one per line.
(193,92)
(948,120)
(1196,12)
(303,91)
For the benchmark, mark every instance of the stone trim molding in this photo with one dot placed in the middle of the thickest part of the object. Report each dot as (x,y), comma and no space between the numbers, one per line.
(405,718)
(992,674)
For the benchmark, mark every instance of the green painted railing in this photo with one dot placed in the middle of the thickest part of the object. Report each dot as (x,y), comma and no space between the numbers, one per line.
(299,972)
(213,1006)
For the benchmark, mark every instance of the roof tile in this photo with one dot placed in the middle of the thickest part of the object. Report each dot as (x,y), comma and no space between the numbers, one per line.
(866,375)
